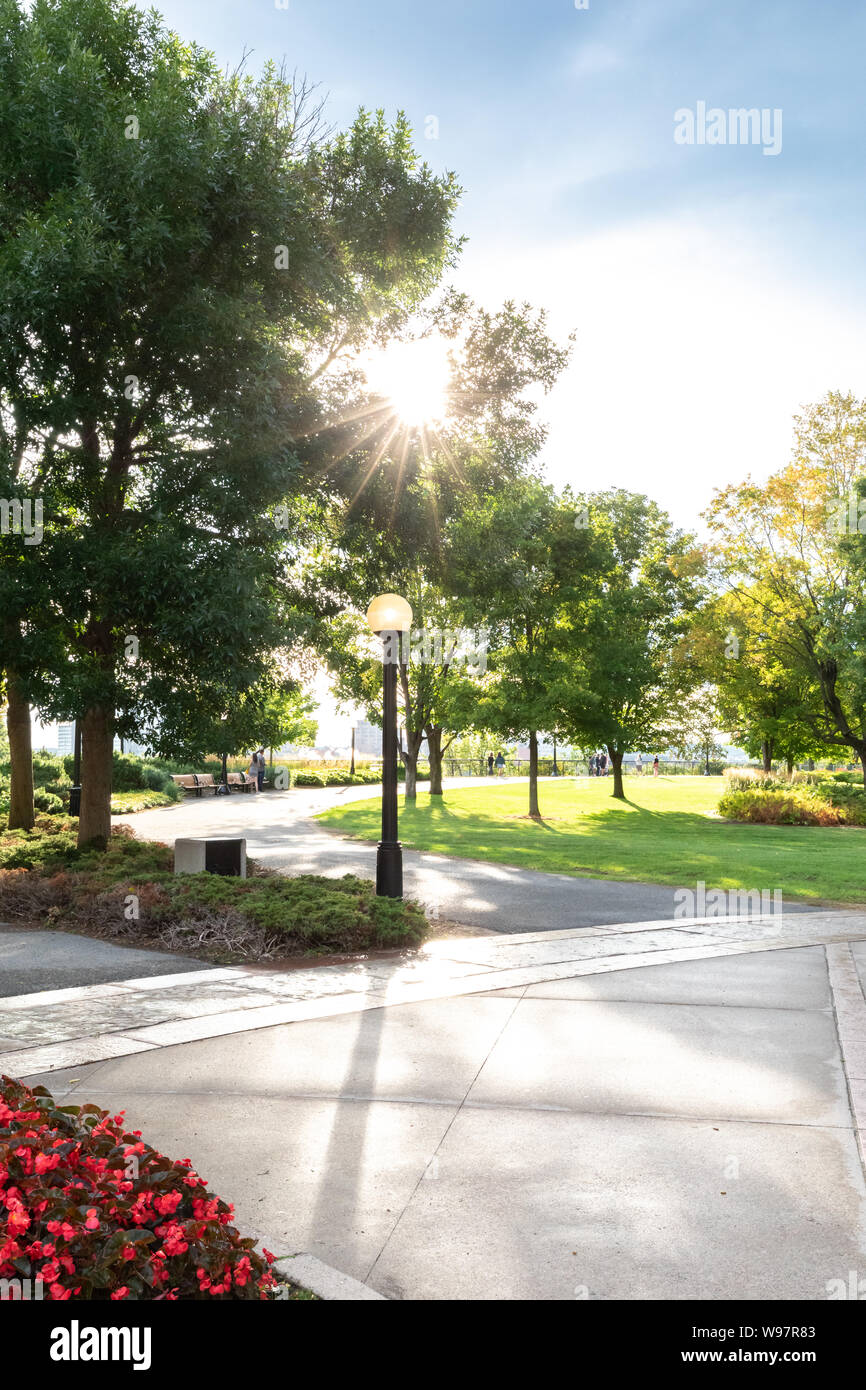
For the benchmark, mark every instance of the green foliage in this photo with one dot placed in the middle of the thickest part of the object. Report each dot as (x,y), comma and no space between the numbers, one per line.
(177,246)
(771,801)
(44,875)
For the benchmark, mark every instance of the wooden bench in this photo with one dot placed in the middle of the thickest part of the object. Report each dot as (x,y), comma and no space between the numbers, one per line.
(195,782)
(239,781)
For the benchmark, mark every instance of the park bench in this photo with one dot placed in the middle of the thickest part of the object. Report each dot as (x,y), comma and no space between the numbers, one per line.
(196,782)
(241,782)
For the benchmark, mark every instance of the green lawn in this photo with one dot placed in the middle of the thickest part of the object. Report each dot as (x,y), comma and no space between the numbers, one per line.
(667,832)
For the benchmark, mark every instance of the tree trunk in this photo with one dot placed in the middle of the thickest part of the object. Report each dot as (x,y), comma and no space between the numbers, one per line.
(434,749)
(21,812)
(533,776)
(409,755)
(616,764)
(767,754)
(863,764)
(790,762)
(97,737)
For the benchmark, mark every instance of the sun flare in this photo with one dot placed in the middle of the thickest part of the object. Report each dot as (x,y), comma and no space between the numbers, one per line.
(413,377)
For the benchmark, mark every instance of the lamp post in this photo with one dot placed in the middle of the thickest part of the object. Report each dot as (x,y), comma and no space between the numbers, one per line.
(389,616)
(75,789)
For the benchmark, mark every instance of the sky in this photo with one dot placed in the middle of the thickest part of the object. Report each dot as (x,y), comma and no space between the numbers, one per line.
(715,289)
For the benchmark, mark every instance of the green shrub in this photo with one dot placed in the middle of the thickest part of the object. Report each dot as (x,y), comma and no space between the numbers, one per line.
(44,877)
(308,779)
(47,802)
(774,806)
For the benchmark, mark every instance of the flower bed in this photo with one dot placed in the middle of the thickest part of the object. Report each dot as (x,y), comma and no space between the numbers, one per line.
(129,892)
(95,1213)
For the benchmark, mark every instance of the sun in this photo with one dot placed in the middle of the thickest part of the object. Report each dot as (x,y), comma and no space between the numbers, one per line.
(413,377)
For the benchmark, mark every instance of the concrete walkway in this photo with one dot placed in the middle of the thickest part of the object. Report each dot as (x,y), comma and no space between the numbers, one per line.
(636,1109)
(281,834)
(610,1129)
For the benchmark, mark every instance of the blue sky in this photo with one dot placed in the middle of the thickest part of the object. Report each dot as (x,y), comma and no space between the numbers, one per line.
(714,290)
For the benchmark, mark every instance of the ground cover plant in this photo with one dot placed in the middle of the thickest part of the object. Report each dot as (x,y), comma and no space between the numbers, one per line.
(129,893)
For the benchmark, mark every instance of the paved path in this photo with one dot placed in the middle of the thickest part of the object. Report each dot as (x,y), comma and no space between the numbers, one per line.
(31,961)
(281,834)
(567,1122)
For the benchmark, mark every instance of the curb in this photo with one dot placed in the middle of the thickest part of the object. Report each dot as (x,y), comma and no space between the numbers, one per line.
(329,1284)
(325,1281)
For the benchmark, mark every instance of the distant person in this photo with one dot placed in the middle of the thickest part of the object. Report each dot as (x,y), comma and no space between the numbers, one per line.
(260,769)
(489,764)
(500,765)
(656,765)
(253,769)
(604,764)
(639,765)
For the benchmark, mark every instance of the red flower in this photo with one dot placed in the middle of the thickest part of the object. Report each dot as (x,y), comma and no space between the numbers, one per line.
(122,1292)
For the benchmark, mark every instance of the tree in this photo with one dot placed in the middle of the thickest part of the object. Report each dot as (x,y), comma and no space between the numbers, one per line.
(412,487)
(699,722)
(770,708)
(627,671)
(521,558)
(791,551)
(176,244)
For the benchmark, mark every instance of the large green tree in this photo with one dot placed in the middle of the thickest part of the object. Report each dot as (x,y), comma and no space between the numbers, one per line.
(791,551)
(627,666)
(176,246)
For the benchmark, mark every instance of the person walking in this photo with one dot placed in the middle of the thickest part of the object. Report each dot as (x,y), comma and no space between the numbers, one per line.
(592,764)
(260,769)
(639,765)
(500,765)
(656,765)
(489,764)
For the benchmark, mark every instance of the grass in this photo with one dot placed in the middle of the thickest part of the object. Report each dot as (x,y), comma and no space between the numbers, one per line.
(667,831)
(127,803)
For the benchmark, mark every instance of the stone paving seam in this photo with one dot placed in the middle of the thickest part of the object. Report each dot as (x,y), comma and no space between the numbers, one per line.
(442,1139)
(849,1007)
(41,1057)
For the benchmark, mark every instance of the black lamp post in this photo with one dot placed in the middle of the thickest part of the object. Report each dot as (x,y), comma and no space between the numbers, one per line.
(389,617)
(75,789)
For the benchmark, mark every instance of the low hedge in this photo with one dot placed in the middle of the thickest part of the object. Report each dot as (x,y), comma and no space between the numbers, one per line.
(129,892)
(830,804)
(95,1213)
